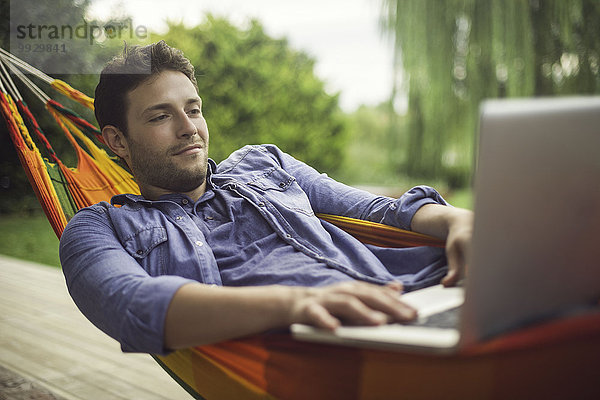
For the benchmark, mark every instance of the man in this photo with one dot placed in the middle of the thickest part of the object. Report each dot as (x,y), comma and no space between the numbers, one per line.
(165,270)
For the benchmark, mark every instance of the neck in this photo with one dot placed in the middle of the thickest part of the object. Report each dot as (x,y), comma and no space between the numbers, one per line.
(154,193)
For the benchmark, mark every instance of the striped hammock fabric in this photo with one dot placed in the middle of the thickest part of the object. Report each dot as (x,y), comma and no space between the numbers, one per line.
(274,365)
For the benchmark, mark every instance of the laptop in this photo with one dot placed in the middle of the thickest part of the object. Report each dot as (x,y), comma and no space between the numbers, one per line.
(535,254)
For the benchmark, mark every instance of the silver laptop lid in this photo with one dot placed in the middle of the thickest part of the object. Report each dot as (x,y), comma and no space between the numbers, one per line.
(536,243)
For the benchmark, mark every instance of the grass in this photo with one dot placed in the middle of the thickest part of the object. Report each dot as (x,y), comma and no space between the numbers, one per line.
(29,237)
(462,198)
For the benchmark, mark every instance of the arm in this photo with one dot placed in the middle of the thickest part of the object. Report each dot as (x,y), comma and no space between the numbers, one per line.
(109,286)
(455,225)
(421,209)
(200,314)
(156,314)
(328,196)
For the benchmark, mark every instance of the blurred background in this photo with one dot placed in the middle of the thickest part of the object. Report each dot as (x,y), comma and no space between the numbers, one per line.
(381,94)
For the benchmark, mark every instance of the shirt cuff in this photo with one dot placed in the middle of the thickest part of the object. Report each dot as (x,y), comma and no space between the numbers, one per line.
(409,203)
(146,315)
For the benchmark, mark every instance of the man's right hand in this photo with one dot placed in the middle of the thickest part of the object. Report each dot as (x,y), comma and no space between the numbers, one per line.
(200,314)
(351,303)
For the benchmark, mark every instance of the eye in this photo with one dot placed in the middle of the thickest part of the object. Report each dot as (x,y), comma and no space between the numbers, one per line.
(195,111)
(159,118)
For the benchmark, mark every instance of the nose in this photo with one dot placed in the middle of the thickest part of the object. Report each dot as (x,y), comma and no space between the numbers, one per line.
(186,128)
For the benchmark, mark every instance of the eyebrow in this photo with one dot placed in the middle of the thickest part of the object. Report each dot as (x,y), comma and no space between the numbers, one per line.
(162,106)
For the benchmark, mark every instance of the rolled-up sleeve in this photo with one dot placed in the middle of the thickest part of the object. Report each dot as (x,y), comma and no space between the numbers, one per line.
(110,288)
(399,212)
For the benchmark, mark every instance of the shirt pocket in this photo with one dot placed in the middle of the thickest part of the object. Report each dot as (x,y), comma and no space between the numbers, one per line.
(281,189)
(145,247)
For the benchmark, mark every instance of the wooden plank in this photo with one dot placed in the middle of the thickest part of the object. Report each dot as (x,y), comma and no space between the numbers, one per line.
(16,387)
(43,337)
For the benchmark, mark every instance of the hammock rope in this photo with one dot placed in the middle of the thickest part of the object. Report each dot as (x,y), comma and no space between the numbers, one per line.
(274,365)
(35,167)
(12,59)
(96,177)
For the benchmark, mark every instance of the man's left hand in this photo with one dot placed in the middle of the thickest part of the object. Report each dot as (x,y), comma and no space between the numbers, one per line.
(458,242)
(455,225)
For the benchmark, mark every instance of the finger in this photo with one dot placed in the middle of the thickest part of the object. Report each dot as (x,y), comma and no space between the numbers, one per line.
(353,311)
(392,288)
(456,267)
(321,318)
(452,276)
(392,306)
(450,279)
(395,286)
(384,300)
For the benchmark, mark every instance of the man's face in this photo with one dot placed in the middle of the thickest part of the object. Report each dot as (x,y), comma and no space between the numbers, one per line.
(167,136)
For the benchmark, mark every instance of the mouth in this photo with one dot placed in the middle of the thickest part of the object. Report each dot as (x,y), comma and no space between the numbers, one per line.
(189,150)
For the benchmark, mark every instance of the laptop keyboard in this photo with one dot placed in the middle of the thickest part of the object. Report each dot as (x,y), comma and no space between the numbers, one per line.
(446,319)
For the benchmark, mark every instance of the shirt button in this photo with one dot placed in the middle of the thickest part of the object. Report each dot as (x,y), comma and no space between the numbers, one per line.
(287,235)
(184,201)
(178,218)
(261,204)
(281,184)
(199,243)
(208,218)
(139,252)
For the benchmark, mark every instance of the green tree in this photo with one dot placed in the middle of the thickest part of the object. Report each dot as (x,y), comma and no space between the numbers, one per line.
(257,89)
(368,131)
(455,53)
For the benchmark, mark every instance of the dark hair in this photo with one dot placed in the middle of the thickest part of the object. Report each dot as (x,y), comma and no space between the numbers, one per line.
(125,72)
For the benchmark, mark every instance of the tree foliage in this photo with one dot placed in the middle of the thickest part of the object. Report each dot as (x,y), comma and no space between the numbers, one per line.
(368,129)
(454,53)
(257,89)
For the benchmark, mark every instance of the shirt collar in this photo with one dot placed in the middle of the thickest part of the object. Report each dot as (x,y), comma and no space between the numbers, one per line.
(122,199)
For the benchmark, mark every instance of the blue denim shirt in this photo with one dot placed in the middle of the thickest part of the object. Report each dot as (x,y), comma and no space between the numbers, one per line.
(124,263)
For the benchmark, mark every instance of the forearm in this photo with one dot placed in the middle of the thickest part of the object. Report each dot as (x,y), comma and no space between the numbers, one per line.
(436,219)
(201,314)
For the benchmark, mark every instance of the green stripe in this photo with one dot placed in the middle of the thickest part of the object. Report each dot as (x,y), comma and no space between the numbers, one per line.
(62,189)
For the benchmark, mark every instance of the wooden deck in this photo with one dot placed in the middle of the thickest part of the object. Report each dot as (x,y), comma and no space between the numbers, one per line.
(47,341)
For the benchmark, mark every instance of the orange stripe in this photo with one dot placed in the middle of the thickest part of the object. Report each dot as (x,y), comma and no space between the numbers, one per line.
(379,234)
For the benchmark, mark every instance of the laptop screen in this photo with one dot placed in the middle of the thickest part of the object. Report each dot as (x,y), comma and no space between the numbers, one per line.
(537,214)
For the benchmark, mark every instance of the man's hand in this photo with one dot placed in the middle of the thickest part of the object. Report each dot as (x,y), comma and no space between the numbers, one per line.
(455,225)
(200,314)
(353,303)
(458,242)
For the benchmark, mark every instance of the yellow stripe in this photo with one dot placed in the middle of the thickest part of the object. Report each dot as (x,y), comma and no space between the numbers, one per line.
(210,379)
(375,232)
(72,93)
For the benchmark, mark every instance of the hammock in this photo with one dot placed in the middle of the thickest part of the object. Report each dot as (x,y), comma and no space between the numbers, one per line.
(526,364)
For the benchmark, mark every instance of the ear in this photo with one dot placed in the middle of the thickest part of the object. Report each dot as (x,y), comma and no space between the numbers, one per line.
(115,140)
